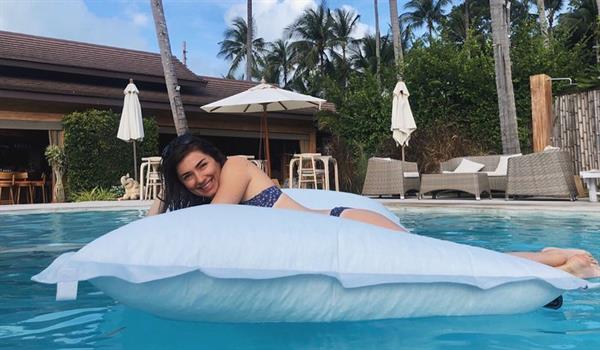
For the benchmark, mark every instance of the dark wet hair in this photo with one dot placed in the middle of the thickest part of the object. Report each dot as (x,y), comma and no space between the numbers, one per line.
(175,195)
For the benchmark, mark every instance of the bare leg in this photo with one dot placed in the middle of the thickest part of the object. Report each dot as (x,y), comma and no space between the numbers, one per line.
(550,258)
(372,218)
(580,265)
(569,252)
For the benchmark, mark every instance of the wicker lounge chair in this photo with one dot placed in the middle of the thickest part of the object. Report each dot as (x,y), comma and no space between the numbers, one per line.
(545,174)
(384,177)
(497,183)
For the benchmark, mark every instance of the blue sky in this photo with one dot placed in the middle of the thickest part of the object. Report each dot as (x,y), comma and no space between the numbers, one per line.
(201,23)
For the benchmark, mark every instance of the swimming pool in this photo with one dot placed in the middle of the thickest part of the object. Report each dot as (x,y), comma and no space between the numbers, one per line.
(31,319)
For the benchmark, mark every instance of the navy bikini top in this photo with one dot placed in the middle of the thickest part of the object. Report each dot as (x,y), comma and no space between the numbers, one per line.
(266,198)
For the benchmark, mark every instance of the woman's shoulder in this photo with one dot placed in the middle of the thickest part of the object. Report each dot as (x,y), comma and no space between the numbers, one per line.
(236,162)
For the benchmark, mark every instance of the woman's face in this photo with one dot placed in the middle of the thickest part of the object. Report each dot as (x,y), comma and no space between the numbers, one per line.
(199,173)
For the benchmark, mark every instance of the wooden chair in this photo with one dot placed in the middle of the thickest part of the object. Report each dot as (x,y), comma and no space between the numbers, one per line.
(41,183)
(7,181)
(21,181)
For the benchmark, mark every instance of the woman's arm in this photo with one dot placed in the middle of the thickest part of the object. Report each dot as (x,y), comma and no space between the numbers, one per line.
(233,181)
(157,207)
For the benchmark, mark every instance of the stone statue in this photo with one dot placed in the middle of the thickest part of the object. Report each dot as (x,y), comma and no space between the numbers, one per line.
(132,188)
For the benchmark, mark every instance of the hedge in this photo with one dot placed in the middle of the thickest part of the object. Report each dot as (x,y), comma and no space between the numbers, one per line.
(95,156)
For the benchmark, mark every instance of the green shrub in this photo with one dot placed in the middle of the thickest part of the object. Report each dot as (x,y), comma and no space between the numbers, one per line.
(95,194)
(96,157)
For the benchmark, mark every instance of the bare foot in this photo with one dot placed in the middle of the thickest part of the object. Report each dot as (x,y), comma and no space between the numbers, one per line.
(568,253)
(582,266)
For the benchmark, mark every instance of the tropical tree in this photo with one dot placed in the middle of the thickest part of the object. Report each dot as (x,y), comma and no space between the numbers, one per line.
(553,7)
(424,13)
(541,7)
(249,37)
(581,22)
(169,69)
(314,36)
(344,22)
(234,49)
(397,43)
(504,86)
(363,54)
(279,62)
(377,43)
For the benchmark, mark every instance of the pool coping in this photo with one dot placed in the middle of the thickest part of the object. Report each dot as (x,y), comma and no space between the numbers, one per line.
(579,206)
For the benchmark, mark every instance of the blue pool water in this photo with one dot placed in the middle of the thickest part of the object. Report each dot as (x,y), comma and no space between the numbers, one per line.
(31,319)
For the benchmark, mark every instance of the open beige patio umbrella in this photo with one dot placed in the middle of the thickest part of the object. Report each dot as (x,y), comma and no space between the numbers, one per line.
(131,126)
(403,122)
(264,98)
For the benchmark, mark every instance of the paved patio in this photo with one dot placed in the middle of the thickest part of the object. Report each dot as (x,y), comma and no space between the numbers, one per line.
(578,206)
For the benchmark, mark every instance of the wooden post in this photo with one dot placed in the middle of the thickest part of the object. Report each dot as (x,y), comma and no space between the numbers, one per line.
(541,110)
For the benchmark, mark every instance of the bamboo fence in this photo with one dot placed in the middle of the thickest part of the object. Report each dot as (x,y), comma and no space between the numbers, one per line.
(576,128)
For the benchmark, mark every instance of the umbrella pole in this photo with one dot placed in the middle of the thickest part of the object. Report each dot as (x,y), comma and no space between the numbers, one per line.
(403,154)
(266,129)
(134,163)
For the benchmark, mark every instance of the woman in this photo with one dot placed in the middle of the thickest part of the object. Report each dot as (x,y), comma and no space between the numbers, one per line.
(195,172)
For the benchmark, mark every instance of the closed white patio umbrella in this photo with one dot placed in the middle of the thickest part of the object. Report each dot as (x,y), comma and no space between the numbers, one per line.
(131,126)
(264,98)
(403,122)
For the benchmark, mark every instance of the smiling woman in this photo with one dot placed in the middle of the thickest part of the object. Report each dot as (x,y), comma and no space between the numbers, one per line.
(195,172)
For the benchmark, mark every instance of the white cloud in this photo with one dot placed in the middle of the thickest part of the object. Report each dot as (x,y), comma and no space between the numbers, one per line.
(73,20)
(360,29)
(140,19)
(270,16)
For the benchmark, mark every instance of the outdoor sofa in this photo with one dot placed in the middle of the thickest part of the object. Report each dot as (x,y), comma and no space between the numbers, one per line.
(497,180)
(545,174)
(384,177)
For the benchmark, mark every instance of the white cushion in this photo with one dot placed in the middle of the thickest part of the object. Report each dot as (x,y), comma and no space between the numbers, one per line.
(236,263)
(411,174)
(550,148)
(502,168)
(468,166)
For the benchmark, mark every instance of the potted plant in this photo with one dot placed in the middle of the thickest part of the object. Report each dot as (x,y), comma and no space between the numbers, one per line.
(55,155)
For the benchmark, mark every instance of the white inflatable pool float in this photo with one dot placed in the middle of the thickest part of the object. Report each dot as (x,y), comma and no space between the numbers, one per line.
(233,263)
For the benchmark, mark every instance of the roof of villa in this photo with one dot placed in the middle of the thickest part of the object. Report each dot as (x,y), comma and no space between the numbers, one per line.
(49,69)
(35,51)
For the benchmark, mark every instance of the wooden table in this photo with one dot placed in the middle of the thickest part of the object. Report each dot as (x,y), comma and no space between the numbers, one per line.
(590,178)
(326,160)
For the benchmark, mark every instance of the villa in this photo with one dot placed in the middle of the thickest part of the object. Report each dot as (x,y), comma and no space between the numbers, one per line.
(42,79)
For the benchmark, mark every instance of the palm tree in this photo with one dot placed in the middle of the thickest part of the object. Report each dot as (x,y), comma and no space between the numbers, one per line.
(249,31)
(279,62)
(377,43)
(364,57)
(582,24)
(344,22)
(314,34)
(554,7)
(504,86)
(543,21)
(428,13)
(394,20)
(166,57)
(234,49)
(342,26)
